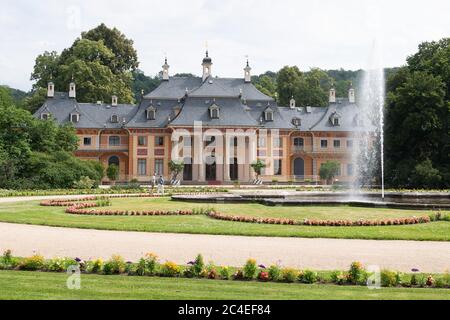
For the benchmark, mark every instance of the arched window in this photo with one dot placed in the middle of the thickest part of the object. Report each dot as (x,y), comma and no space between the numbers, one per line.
(268,114)
(151,113)
(214,112)
(74,117)
(114,118)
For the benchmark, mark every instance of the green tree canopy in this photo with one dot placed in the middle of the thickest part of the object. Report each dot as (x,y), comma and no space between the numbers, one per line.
(329,170)
(308,88)
(100,63)
(417,119)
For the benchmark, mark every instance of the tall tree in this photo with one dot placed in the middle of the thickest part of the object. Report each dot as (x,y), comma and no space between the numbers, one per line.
(417,119)
(125,55)
(100,62)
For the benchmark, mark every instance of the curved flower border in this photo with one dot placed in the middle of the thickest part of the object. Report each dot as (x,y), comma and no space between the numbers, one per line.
(81,207)
(323,223)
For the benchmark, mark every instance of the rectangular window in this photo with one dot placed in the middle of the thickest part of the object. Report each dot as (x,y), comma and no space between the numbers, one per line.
(278,142)
(277,167)
(142,141)
(114,141)
(349,144)
(261,142)
(339,173)
(350,170)
(159,141)
(87,141)
(337,143)
(159,167)
(324,143)
(142,167)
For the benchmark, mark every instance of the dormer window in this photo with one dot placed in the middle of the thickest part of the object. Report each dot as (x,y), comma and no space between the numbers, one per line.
(268,115)
(297,122)
(151,113)
(45,116)
(214,112)
(335,119)
(74,117)
(115,118)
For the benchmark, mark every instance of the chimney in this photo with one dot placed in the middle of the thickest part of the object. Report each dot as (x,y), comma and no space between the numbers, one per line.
(72,90)
(247,73)
(332,98)
(292,103)
(165,73)
(114,101)
(351,94)
(51,90)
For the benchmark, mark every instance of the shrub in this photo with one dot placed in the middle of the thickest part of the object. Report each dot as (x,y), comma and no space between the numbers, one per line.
(308,276)
(84,183)
(390,278)
(225,273)
(339,277)
(356,273)
(115,265)
(147,265)
(55,265)
(413,281)
(7,257)
(198,265)
(250,269)
(440,282)
(33,263)
(95,266)
(7,261)
(288,275)
(274,273)
(170,269)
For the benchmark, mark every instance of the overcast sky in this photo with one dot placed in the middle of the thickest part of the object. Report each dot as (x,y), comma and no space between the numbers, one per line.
(314,33)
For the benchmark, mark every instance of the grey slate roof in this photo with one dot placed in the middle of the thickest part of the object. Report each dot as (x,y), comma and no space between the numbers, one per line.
(91,115)
(233,113)
(240,103)
(165,109)
(175,88)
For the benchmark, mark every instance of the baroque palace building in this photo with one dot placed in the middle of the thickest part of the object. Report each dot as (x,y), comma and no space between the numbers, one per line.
(217,126)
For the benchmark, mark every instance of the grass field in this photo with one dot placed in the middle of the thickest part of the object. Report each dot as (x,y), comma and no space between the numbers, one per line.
(40,286)
(32,213)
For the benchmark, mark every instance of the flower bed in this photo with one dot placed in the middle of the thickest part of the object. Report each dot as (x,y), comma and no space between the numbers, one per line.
(327,223)
(77,206)
(82,207)
(149,265)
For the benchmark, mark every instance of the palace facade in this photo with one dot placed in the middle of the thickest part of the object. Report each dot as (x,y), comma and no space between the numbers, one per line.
(217,126)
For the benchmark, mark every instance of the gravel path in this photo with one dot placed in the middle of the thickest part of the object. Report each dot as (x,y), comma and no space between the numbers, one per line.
(320,254)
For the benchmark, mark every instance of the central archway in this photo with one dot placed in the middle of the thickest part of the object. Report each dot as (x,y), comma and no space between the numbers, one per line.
(299,167)
(234,169)
(210,169)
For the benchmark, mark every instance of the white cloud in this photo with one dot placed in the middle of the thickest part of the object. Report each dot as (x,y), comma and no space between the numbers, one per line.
(320,33)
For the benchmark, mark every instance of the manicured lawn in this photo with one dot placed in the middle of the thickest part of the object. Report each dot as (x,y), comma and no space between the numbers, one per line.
(39,285)
(32,213)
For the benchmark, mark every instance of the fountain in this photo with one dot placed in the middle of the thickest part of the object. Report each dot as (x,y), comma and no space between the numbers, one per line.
(368,155)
